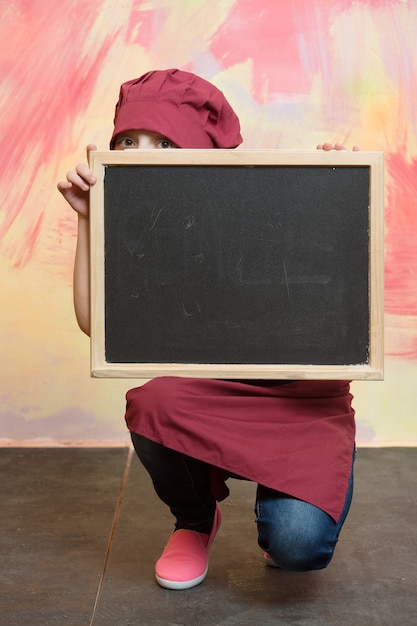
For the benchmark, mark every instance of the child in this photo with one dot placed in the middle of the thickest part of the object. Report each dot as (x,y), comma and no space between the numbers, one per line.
(295,439)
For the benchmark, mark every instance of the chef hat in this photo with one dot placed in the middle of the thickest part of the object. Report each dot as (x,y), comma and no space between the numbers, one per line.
(186,109)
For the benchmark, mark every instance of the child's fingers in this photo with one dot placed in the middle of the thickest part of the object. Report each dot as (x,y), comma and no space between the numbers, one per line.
(76,180)
(326,146)
(85,173)
(335,146)
(64,185)
(82,177)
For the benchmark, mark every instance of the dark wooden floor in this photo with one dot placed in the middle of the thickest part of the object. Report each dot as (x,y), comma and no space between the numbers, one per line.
(81,529)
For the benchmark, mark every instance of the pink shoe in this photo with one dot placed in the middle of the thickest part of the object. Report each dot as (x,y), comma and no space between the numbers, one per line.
(184,562)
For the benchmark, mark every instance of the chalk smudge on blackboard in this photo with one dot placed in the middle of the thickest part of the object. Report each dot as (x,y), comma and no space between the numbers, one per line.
(188,222)
(199,258)
(286,279)
(189,309)
(155,219)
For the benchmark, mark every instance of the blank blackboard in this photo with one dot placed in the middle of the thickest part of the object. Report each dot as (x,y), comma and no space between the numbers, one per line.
(245,264)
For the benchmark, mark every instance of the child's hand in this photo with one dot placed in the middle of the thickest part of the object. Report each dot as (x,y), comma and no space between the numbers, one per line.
(76,187)
(335,146)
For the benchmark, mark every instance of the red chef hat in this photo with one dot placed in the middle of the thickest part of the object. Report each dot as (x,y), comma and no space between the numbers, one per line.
(183,107)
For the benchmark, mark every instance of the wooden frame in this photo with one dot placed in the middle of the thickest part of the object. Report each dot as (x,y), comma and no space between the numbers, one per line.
(373,161)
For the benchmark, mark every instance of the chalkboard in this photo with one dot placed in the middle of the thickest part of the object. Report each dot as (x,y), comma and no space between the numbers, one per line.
(246,264)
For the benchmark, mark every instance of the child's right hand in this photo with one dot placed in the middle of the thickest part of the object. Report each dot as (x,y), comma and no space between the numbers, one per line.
(76,187)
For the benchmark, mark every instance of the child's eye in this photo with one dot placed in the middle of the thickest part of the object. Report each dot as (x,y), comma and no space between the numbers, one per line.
(126,142)
(165,143)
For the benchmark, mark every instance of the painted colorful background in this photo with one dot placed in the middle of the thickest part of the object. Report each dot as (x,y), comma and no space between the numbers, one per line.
(298,72)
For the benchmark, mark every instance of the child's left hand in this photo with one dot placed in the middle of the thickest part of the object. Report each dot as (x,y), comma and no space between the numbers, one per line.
(335,146)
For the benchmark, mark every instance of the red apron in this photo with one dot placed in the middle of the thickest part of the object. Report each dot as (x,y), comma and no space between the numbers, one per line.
(296,437)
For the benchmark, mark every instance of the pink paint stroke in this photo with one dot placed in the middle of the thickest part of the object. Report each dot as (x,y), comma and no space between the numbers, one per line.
(50,77)
(288,43)
(401,257)
(144,24)
(283,40)
(401,231)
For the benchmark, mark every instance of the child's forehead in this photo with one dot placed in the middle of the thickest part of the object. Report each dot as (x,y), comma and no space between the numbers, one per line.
(138,134)
(135,131)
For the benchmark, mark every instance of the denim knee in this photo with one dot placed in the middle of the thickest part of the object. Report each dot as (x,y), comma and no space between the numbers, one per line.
(298,536)
(296,549)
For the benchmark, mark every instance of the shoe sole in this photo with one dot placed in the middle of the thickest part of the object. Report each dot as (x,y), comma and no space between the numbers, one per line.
(178,585)
(270,562)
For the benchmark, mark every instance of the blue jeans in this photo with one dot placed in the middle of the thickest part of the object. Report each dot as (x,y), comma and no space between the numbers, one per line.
(298,536)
